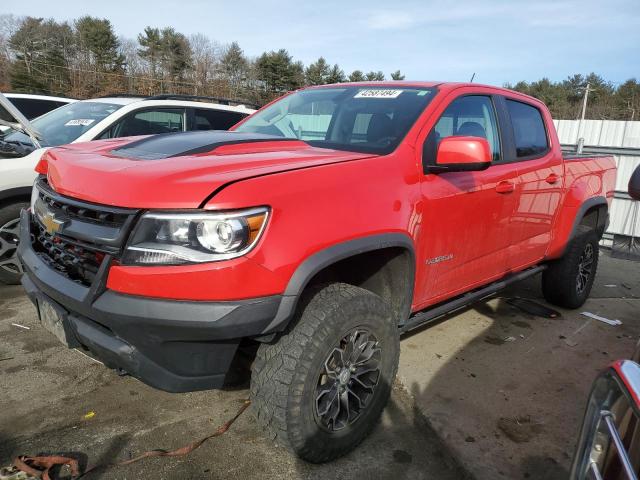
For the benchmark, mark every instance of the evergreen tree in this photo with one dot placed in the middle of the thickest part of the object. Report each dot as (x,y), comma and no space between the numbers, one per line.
(317,73)
(42,48)
(357,76)
(175,53)
(151,51)
(97,37)
(336,75)
(278,72)
(234,66)
(374,76)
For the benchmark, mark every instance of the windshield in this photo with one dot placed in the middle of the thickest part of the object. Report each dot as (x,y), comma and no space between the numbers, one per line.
(361,119)
(63,125)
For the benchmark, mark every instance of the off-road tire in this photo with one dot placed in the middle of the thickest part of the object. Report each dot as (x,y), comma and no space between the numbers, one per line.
(286,373)
(10,220)
(560,283)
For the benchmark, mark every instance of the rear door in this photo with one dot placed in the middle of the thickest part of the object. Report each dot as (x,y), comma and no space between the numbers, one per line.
(540,181)
(465,220)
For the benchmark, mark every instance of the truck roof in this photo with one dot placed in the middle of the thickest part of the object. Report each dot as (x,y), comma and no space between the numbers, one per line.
(424,84)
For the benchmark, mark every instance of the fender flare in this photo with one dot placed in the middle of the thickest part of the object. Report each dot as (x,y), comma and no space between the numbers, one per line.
(329,256)
(587,205)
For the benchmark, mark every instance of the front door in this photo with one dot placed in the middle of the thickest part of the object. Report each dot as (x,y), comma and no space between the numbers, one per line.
(465,218)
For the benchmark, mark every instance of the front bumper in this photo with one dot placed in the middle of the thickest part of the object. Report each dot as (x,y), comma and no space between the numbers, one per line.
(177,346)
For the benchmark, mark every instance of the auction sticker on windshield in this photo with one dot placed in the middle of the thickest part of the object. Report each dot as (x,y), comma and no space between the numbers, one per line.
(378,93)
(79,121)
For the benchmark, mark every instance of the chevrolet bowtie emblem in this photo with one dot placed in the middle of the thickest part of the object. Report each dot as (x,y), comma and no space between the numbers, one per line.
(51,223)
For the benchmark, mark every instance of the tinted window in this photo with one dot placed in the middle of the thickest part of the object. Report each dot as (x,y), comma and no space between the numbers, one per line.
(205,119)
(528,129)
(148,122)
(361,119)
(33,107)
(63,125)
(470,116)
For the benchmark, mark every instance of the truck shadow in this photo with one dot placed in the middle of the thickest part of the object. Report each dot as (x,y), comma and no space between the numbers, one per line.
(509,401)
(480,401)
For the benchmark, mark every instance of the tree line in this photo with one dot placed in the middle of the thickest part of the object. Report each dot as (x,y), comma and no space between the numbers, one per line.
(606,101)
(85,58)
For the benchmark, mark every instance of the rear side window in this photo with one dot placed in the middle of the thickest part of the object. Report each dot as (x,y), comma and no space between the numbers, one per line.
(205,119)
(33,107)
(529,133)
(148,122)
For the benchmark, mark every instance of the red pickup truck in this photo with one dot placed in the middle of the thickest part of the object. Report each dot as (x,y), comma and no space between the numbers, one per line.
(319,229)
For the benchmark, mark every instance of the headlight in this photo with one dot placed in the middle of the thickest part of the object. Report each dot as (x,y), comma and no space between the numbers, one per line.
(195,237)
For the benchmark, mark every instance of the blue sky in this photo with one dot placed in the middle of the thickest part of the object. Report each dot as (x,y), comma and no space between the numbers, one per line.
(501,41)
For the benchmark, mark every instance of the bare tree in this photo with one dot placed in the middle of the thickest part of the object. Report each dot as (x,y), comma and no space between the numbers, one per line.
(9,25)
(205,56)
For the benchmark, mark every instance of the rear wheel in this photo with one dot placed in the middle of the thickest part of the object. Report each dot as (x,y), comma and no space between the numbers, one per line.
(10,266)
(567,282)
(320,389)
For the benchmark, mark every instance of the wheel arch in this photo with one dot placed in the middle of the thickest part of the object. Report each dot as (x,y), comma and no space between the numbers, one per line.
(14,195)
(593,212)
(382,263)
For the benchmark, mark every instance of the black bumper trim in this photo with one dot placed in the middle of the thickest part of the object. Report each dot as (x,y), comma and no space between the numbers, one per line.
(172,345)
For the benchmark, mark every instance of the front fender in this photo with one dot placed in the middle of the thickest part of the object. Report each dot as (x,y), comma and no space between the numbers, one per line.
(331,255)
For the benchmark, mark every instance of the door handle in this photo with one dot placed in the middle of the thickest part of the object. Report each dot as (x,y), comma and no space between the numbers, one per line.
(505,187)
(552,178)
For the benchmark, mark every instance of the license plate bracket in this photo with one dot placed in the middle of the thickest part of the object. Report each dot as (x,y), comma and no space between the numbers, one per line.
(54,319)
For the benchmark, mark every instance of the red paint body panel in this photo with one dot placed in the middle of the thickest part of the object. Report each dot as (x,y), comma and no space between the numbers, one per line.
(90,172)
(484,224)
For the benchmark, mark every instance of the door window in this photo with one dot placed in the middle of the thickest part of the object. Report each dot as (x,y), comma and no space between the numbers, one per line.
(471,115)
(209,119)
(529,133)
(148,122)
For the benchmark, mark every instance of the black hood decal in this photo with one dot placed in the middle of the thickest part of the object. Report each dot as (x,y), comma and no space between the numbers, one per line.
(179,144)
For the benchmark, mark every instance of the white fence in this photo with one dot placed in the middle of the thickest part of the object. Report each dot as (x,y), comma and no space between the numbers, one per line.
(621,139)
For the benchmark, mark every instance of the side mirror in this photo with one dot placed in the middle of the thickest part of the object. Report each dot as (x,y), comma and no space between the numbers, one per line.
(634,184)
(462,154)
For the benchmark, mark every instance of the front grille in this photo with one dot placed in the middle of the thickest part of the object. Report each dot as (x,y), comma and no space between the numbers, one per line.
(88,232)
(87,213)
(74,261)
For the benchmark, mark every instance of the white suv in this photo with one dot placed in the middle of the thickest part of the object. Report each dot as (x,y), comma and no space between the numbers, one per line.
(83,121)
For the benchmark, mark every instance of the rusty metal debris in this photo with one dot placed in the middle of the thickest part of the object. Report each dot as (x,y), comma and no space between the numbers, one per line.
(41,467)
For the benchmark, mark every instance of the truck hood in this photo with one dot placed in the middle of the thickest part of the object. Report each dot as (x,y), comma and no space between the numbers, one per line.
(175,170)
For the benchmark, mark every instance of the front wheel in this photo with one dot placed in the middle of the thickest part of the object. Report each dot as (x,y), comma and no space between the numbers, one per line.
(321,388)
(567,282)
(10,266)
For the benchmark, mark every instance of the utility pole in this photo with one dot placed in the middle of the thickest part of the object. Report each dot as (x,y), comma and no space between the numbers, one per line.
(581,124)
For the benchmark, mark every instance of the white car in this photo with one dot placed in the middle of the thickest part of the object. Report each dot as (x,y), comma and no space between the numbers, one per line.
(32,106)
(22,146)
